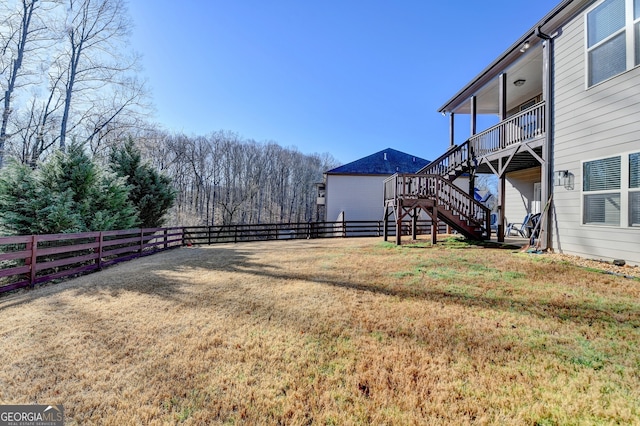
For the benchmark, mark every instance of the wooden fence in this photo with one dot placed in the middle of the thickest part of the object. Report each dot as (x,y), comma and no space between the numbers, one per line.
(26,261)
(29,260)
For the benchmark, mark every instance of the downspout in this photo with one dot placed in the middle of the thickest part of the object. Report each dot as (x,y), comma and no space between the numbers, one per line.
(547,179)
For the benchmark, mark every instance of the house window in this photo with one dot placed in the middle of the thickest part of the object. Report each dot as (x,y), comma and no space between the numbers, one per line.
(609,50)
(601,187)
(611,191)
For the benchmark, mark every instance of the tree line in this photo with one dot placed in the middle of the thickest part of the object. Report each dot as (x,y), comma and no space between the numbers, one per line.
(223,179)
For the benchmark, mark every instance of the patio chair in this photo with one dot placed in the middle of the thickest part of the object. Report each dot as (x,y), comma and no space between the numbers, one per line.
(533,229)
(494,223)
(519,228)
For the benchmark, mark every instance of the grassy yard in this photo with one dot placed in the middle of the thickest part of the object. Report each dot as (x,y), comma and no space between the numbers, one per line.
(329,332)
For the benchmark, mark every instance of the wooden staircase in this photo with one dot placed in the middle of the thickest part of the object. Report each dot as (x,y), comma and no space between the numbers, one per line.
(432,190)
(432,186)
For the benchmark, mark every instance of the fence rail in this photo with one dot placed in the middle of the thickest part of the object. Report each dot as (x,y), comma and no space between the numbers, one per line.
(26,261)
(35,259)
(194,235)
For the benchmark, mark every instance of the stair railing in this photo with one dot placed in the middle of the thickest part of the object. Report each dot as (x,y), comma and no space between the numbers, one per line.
(446,194)
(451,163)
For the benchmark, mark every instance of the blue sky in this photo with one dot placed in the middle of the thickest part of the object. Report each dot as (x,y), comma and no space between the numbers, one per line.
(347,77)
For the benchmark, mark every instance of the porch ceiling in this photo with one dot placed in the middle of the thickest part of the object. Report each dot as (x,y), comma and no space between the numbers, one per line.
(528,68)
(482,84)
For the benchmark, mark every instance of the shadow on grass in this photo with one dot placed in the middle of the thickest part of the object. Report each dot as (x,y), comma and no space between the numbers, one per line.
(578,311)
(165,275)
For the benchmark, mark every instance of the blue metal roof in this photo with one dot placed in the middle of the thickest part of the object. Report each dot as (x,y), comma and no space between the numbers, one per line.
(386,162)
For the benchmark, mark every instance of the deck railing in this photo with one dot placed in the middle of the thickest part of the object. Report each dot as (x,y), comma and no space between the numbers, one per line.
(526,125)
(443,192)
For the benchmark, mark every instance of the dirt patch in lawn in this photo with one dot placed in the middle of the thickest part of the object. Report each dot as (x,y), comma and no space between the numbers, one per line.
(352,331)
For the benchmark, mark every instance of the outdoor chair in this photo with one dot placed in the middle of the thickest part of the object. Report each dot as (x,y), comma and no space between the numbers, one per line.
(532,227)
(519,228)
(494,223)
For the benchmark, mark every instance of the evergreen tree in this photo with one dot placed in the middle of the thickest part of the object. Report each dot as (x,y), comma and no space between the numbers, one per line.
(151,192)
(26,207)
(69,193)
(71,170)
(107,205)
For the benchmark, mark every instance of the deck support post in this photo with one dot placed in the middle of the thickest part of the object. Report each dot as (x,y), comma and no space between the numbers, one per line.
(502,106)
(451,129)
(501,207)
(414,224)
(385,225)
(502,101)
(434,225)
(474,115)
(399,223)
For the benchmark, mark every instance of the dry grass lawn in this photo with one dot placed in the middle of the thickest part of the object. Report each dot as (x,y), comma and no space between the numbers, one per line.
(329,332)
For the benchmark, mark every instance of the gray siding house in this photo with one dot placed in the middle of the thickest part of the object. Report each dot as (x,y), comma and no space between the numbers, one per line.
(566,95)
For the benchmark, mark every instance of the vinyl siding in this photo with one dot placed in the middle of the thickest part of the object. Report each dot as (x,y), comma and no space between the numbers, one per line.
(590,123)
(360,197)
(519,194)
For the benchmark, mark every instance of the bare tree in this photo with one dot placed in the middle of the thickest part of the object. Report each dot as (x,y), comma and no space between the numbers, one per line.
(20,37)
(70,72)
(92,60)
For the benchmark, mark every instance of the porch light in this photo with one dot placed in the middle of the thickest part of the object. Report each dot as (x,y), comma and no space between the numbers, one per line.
(563,178)
(525,46)
(519,82)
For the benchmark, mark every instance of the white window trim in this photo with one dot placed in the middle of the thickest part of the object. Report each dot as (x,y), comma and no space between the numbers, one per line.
(629,40)
(624,191)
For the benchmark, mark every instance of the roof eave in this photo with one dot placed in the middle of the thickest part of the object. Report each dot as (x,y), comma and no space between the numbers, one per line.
(555,17)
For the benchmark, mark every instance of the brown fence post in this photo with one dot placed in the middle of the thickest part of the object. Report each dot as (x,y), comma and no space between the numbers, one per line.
(100,238)
(166,238)
(34,259)
(141,241)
